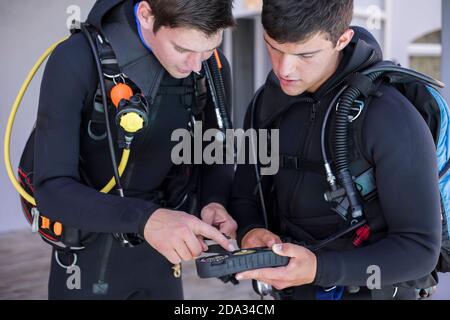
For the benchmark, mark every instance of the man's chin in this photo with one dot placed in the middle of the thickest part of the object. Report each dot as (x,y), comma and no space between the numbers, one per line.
(179,75)
(292,91)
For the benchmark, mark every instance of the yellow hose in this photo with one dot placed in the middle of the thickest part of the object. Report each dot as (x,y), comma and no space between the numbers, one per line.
(9,127)
(123,164)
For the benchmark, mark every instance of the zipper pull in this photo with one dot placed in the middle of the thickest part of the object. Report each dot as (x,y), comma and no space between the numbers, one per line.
(313,113)
(35,218)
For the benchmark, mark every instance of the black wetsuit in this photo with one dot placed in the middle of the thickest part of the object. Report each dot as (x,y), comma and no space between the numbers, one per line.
(63,146)
(399,145)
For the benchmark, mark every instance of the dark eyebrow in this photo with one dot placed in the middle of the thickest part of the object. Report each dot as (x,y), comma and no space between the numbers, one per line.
(297,54)
(189,50)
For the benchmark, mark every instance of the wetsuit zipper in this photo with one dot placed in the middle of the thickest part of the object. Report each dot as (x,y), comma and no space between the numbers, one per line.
(312,121)
(313,113)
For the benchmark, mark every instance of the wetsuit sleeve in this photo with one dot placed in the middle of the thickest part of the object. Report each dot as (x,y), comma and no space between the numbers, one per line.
(217,178)
(69,78)
(245,205)
(400,145)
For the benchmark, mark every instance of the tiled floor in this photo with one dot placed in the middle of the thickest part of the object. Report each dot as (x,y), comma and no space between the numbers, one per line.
(24,263)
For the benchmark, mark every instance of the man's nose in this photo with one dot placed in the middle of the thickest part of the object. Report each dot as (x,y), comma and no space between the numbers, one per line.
(194,62)
(286,65)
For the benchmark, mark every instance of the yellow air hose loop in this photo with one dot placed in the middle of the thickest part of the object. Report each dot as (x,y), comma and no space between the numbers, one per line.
(123,164)
(9,127)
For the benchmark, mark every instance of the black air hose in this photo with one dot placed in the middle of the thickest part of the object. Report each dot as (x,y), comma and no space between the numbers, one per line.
(105,107)
(220,92)
(342,126)
(341,145)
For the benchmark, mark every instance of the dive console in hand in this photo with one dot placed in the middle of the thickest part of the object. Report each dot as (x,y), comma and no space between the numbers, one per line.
(225,264)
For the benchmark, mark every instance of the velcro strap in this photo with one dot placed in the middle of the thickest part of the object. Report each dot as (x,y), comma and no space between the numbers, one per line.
(288,162)
(178,91)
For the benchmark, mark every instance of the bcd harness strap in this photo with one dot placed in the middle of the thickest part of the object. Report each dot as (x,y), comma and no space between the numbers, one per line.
(192,92)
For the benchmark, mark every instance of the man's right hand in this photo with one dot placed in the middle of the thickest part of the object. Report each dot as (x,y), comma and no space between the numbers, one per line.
(257,238)
(175,235)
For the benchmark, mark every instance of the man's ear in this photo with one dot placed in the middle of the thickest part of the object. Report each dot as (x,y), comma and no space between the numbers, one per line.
(145,15)
(345,39)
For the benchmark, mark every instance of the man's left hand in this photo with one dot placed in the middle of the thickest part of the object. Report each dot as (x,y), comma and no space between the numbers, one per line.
(301,269)
(217,216)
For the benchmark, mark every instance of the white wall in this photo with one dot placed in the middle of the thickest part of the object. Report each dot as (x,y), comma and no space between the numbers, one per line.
(28,27)
(409,20)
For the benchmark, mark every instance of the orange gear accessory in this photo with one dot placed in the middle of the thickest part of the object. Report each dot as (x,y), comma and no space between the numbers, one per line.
(216,55)
(58,229)
(119,92)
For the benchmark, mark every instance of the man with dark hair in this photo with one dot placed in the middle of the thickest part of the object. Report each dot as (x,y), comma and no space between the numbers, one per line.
(314,52)
(156,48)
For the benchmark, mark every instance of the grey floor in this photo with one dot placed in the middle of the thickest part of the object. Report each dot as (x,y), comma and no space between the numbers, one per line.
(24,265)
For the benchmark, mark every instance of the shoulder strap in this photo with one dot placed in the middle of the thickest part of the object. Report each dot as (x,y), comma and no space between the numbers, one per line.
(113,75)
(94,114)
